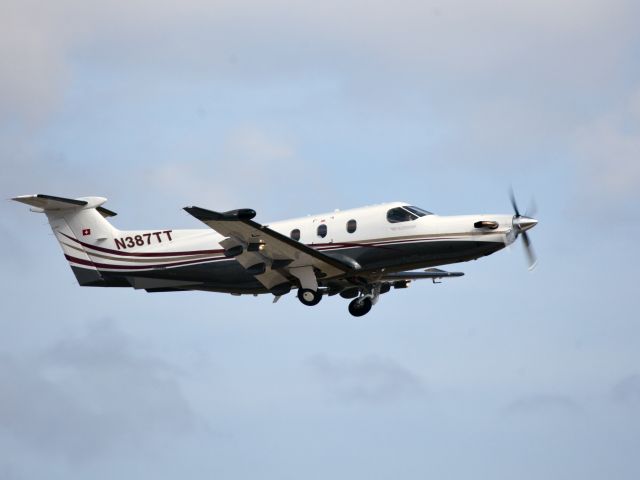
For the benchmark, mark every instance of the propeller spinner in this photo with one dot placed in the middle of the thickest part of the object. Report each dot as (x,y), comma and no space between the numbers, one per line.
(522,223)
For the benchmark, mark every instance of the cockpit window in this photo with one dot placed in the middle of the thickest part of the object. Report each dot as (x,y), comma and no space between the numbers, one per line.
(397,215)
(405,214)
(418,211)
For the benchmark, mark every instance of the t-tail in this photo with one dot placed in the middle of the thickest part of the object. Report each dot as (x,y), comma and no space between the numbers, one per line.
(76,223)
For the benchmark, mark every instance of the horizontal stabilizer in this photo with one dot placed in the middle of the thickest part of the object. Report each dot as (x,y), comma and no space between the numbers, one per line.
(49,203)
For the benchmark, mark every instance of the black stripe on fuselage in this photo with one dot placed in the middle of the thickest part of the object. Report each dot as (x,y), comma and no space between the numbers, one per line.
(229,276)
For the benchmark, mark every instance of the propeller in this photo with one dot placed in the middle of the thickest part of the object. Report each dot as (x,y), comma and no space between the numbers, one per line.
(522,223)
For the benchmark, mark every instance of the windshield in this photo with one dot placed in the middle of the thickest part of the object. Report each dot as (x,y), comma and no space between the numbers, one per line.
(418,211)
(405,214)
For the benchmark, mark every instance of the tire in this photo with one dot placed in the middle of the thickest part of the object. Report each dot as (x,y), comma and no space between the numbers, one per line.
(360,306)
(309,297)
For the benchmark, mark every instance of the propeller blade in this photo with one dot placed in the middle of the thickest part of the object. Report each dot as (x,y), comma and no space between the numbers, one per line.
(523,223)
(531,256)
(513,202)
(532,211)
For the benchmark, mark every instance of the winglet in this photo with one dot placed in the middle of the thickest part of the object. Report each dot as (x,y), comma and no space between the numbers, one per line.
(208,215)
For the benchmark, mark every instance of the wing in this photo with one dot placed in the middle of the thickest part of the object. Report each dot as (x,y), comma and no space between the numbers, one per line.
(270,256)
(430,273)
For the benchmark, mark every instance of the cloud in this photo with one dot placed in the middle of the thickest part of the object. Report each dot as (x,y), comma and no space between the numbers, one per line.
(7,472)
(627,391)
(251,164)
(32,53)
(248,153)
(542,404)
(90,394)
(609,153)
(371,379)
(366,43)
(475,83)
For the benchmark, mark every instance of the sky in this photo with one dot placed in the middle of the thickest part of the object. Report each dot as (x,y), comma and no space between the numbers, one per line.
(293,108)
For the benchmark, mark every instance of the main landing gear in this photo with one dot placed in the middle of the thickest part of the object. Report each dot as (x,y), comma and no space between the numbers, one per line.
(309,297)
(364,297)
(360,306)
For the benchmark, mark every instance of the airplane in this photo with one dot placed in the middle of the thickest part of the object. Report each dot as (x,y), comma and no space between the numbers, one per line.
(358,254)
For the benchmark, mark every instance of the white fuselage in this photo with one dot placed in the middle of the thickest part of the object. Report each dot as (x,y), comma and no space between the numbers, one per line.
(361,252)
(371,228)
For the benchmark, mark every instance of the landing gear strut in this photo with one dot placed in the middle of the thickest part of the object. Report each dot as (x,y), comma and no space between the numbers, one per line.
(309,297)
(360,306)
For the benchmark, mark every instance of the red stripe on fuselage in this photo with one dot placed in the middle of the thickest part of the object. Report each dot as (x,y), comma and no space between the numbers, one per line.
(141,267)
(142,254)
(385,244)
(317,246)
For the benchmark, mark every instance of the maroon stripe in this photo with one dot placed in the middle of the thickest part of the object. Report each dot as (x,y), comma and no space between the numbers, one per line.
(129,254)
(333,246)
(380,244)
(327,246)
(317,246)
(139,267)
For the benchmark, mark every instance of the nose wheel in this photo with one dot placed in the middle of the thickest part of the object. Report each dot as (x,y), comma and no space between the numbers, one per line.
(309,297)
(360,306)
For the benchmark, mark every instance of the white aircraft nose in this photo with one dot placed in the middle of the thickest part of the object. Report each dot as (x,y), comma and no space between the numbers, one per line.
(524,223)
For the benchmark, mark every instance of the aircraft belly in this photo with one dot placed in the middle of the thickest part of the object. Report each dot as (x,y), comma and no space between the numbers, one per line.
(226,275)
(420,254)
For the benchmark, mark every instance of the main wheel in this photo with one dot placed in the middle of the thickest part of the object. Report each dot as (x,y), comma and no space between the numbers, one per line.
(360,306)
(309,297)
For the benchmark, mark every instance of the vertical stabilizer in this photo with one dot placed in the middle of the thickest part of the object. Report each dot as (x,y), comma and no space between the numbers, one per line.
(77,224)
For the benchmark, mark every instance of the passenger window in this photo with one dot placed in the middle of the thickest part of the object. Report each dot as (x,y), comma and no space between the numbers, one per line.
(351,226)
(322,230)
(295,234)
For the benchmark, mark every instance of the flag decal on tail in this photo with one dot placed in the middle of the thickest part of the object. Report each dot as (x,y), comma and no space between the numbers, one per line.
(86,231)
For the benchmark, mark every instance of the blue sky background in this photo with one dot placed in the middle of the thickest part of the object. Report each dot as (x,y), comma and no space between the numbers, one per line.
(302,107)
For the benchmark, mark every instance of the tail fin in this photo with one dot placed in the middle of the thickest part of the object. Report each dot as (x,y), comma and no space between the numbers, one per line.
(76,222)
